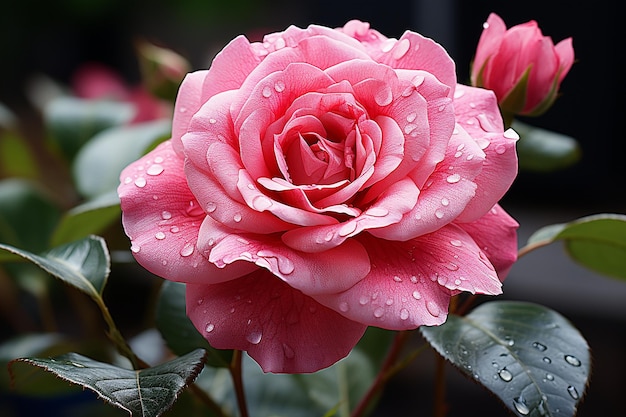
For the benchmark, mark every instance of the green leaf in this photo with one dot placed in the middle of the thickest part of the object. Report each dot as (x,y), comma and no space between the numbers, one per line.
(16,157)
(72,121)
(597,242)
(177,329)
(27,215)
(147,392)
(531,357)
(541,150)
(84,264)
(91,217)
(98,165)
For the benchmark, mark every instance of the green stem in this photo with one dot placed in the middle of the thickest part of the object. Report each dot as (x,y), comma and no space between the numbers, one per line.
(386,371)
(236,374)
(116,336)
(344,398)
(531,247)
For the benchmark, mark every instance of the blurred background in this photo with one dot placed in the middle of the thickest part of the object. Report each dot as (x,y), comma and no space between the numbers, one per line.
(54,39)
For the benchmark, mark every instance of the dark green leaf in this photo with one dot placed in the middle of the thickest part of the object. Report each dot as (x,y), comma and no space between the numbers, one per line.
(84,264)
(178,331)
(72,121)
(27,215)
(542,150)
(531,357)
(97,167)
(91,217)
(147,392)
(597,242)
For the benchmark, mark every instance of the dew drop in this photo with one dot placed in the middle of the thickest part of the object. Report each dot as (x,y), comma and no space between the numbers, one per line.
(140,182)
(166,215)
(573,392)
(254,337)
(384,96)
(288,351)
(279,86)
(550,377)
(411,117)
(413,279)
(261,203)
(540,346)
(267,92)
(155,169)
(572,360)
(343,306)
(160,235)
(456,243)
(445,202)
(547,360)
(520,406)
(454,178)
(500,149)
(505,375)
(439,214)
(433,308)
(128,180)
(209,327)
(347,228)
(174,229)
(379,312)
(285,266)
(397,278)
(186,250)
(402,47)
(212,121)
(210,207)
(416,294)
(364,300)
(135,248)
(237,217)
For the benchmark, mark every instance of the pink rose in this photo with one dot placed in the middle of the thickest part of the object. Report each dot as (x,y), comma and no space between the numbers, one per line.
(320,182)
(523,67)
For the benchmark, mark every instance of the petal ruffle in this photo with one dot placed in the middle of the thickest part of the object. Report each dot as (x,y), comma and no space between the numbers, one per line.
(282,329)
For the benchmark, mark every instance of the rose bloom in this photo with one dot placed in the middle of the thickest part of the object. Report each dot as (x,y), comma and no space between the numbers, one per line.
(524,68)
(319,182)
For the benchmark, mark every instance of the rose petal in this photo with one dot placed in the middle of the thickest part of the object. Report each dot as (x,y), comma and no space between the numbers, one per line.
(411,282)
(496,234)
(477,111)
(280,328)
(162,217)
(188,101)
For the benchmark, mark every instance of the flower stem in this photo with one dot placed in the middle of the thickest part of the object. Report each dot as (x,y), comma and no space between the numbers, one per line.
(236,374)
(386,371)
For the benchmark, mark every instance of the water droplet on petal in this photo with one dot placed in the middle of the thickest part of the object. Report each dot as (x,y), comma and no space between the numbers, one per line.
(237,217)
(379,312)
(364,300)
(377,211)
(384,96)
(454,178)
(439,214)
(254,337)
(160,235)
(288,351)
(211,207)
(457,243)
(550,377)
(279,86)
(140,182)
(411,117)
(445,202)
(540,346)
(402,47)
(135,248)
(343,306)
(416,294)
(155,169)
(186,250)
(433,308)
(347,228)
(404,314)
(285,265)
(174,229)
(500,149)
(547,360)
(261,203)
(128,180)
(267,92)
(166,215)
(209,327)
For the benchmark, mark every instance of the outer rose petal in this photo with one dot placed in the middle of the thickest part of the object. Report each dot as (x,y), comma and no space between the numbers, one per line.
(188,101)
(162,218)
(496,234)
(477,111)
(411,282)
(281,328)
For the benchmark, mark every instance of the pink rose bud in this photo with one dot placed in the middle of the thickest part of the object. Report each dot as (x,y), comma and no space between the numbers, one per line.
(162,69)
(522,67)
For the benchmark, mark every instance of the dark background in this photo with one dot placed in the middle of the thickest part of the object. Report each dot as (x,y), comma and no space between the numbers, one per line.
(54,38)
